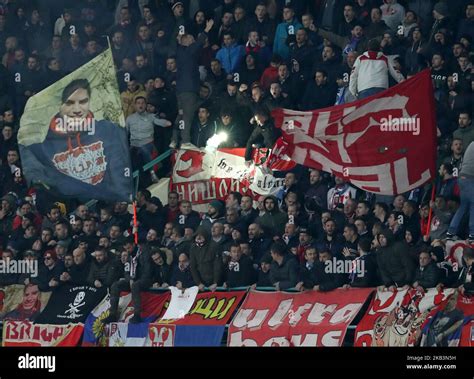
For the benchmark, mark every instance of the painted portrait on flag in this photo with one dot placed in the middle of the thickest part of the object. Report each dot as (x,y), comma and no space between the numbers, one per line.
(72,138)
(22,303)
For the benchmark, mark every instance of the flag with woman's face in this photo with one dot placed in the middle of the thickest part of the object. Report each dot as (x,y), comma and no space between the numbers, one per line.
(72,136)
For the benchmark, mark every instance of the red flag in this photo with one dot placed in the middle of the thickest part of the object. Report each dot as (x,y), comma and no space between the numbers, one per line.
(384,144)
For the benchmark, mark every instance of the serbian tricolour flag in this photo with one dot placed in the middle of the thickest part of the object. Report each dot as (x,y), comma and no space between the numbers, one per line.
(72,135)
(385,144)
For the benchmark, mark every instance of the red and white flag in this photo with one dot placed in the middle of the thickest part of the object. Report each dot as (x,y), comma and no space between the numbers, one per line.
(385,144)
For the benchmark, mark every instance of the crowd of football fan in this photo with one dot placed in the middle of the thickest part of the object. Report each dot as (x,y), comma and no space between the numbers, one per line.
(189,70)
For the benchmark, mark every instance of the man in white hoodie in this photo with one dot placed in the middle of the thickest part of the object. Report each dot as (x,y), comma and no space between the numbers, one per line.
(370,73)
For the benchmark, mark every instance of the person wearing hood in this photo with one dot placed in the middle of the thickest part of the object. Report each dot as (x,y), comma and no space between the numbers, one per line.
(392,13)
(273,221)
(414,242)
(284,267)
(206,262)
(397,268)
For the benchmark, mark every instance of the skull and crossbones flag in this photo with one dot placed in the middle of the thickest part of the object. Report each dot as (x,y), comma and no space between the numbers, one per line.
(384,144)
(72,136)
(71,305)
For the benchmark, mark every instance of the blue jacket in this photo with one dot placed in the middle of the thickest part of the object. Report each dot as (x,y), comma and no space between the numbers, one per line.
(280,46)
(231,57)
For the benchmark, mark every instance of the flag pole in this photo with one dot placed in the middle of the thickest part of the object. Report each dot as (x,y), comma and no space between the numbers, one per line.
(135,222)
(430,216)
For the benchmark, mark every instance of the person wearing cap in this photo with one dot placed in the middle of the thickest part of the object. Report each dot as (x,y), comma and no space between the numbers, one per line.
(442,20)
(215,214)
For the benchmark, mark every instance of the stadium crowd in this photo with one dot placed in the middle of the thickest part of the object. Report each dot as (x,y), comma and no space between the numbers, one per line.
(192,69)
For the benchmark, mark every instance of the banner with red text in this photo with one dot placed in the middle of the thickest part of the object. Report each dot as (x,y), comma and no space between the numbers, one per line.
(304,319)
(27,334)
(384,144)
(201,176)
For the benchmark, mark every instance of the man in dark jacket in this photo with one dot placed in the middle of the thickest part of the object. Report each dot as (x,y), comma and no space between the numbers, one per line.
(187,218)
(263,129)
(327,278)
(187,83)
(159,269)
(273,221)
(307,278)
(263,276)
(259,245)
(367,262)
(137,279)
(181,276)
(49,273)
(239,272)
(427,274)
(396,266)
(465,282)
(284,268)
(79,272)
(103,271)
(206,261)
(320,93)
